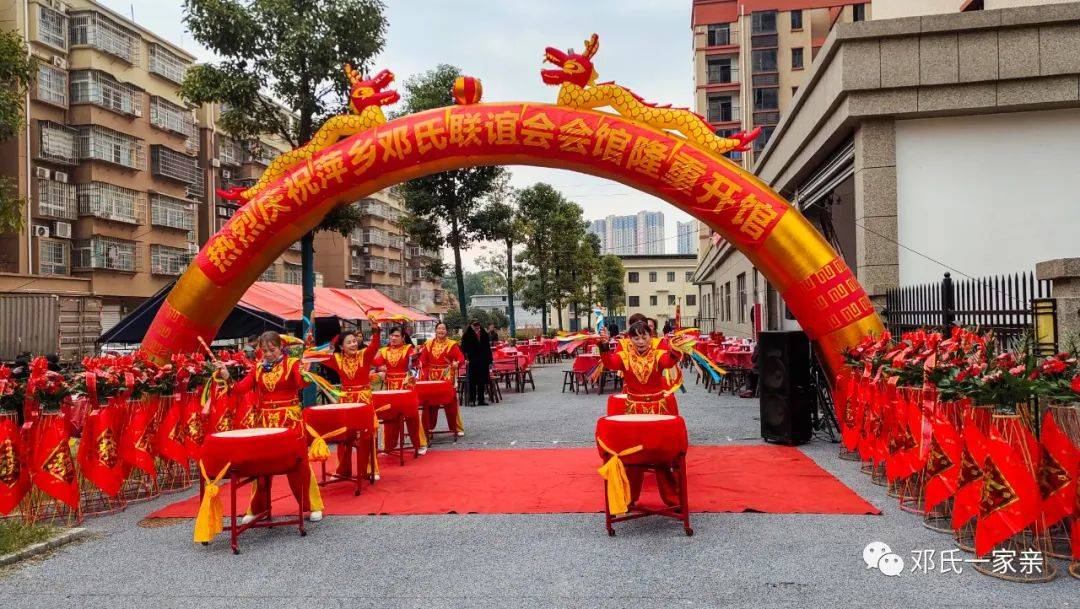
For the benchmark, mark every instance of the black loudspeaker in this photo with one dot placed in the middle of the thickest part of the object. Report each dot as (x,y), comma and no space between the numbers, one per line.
(787,397)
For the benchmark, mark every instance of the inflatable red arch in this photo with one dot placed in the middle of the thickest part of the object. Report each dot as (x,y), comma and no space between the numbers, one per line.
(817,285)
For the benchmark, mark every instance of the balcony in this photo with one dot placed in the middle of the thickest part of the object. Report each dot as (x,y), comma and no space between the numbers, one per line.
(106,253)
(229,152)
(260,153)
(171,212)
(57,200)
(166,260)
(52,85)
(171,117)
(270,274)
(104,34)
(294,274)
(54,257)
(57,143)
(197,189)
(52,28)
(170,164)
(393,267)
(166,64)
(101,144)
(111,202)
(763,41)
(104,91)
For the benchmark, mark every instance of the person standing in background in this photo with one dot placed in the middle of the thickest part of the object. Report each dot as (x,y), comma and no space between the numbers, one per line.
(476,344)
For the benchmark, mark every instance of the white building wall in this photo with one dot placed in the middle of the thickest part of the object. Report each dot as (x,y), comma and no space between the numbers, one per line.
(987,194)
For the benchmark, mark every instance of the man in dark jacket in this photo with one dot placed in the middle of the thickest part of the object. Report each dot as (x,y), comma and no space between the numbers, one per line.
(476,345)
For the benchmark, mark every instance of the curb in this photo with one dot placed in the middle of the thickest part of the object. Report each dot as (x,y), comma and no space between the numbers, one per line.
(32,550)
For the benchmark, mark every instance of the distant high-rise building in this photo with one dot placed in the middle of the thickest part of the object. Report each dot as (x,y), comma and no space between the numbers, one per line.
(599,228)
(621,234)
(687,236)
(650,232)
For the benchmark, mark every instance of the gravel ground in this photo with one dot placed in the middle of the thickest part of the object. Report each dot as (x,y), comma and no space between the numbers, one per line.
(555,560)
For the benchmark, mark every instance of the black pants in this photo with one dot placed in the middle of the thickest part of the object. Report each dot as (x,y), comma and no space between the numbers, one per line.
(478,380)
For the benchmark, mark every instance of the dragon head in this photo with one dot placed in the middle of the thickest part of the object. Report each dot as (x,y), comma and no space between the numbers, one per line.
(369,92)
(574,68)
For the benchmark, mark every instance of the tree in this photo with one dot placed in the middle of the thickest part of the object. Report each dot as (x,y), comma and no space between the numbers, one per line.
(17,70)
(538,206)
(443,207)
(609,282)
(293,52)
(569,228)
(587,270)
(500,221)
(481,282)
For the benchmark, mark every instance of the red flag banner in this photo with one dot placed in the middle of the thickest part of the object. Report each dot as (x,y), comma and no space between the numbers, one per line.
(222,412)
(943,462)
(852,415)
(194,425)
(14,475)
(136,443)
(1010,500)
(170,436)
(973,454)
(51,467)
(99,450)
(1058,469)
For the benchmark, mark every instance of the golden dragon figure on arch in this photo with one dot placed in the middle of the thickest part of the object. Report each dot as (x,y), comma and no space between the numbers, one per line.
(578,89)
(366,98)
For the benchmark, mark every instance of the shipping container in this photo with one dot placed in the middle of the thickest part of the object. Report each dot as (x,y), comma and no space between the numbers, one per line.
(49,323)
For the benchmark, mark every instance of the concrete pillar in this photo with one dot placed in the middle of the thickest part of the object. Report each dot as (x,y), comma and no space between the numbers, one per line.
(876,253)
(1065,273)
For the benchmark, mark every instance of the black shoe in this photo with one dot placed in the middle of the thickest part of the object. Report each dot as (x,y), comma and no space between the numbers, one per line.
(482,404)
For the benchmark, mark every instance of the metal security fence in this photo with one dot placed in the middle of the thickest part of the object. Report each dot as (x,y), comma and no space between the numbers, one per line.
(1000,303)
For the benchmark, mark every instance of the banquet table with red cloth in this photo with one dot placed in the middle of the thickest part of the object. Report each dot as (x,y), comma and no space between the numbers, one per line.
(738,357)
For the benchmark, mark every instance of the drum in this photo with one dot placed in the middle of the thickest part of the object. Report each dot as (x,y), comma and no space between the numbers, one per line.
(400,401)
(662,436)
(435,393)
(616,404)
(327,418)
(258,451)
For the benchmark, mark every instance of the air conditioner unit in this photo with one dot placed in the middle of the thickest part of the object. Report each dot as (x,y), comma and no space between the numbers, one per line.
(63,7)
(193,248)
(41,231)
(60,62)
(215,162)
(62,229)
(42,173)
(226,174)
(60,176)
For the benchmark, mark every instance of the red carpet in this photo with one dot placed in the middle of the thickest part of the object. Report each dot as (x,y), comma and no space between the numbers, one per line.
(772,479)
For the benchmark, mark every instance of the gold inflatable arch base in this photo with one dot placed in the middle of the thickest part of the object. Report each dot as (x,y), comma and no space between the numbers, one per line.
(817,285)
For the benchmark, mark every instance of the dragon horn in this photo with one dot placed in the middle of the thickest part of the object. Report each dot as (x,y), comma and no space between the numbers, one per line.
(592,45)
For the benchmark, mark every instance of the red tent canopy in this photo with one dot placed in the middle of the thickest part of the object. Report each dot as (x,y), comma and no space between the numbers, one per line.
(284,300)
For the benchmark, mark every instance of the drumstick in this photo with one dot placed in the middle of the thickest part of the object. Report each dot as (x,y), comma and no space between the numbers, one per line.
(206,348)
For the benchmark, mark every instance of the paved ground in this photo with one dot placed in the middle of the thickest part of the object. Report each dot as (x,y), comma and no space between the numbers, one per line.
(528,560)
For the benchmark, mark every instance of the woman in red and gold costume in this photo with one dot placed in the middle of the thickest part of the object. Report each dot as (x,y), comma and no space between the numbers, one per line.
(440,358)
(647,392)
(277,380)
(352,362)
(394,360)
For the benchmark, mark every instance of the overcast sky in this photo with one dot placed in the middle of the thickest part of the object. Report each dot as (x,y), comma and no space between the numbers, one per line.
(644,44)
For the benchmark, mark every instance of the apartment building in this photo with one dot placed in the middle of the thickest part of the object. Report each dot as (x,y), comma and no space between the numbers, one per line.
(379,255)
(641,233)
(108,158)
(599,228)
(687,234)
(656,283)
(750,59)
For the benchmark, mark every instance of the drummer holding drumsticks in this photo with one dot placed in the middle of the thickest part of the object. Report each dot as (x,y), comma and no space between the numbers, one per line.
(396,360)
(277,380)
(352,362)
(439,361)
(643,368)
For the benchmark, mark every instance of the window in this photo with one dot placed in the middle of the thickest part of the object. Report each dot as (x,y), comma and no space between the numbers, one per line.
(691,300)
(766,99)
(105,253)
(168,163)
(171,117)
(229,151)
(796,19)
(270,274)
(105,35)
(719,70)
(57,143)
(52,85)
(633,301)
(727,301)
(294,273)
(57,200)
(100,89)
(111,202)
(52,28)
(652,276)
(166,260)
(721,108)
(763,60)
(740,286)
(763,138)
(652,301)
(671,276)
(858,12)
(632,277)
(171,212)
(763,22)
(166,64)
(719,34)
(53,257)
(689,276)
(671,299)
(103,144)
(797,59)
